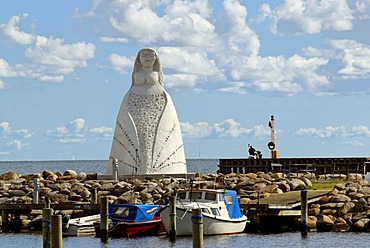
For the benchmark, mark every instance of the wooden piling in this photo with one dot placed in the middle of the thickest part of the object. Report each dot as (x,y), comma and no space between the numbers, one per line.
(304,213)
(197,228)
(56,231)
(47,202)
(104,219)
(172,231)
(46,218)
(115,169)
(5,226)
(94,194)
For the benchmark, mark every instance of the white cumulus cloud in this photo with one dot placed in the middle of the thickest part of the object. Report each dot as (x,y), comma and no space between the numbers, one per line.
(223,129)
(328,132)
(102,133)
(48,59)
(11,30)
(6,129)
(301,16)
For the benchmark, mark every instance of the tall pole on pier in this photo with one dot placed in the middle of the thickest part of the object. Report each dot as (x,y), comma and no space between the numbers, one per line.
(271,145)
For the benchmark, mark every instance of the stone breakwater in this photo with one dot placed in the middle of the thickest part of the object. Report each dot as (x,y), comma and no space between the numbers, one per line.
(345,208)
(72,187)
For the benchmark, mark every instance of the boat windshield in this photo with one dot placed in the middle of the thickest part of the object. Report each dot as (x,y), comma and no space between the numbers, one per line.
(122,212)
(210,196)
(195,195)
(228,199)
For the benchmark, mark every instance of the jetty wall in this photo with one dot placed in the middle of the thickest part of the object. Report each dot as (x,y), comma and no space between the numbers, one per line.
(318,166)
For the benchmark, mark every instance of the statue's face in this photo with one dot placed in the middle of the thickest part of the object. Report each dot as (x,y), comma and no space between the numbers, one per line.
(147,58)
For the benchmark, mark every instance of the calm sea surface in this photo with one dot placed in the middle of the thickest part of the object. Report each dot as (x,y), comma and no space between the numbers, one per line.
(206,166)
(286,240)
(91,166)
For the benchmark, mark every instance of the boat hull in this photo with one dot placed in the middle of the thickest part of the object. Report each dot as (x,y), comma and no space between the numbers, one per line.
(211,225)
(132,229)
(83,226)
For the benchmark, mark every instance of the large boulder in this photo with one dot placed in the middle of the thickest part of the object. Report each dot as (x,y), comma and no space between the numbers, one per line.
(346,208)
(360,205)
(9,176)
(311,222)
(70,173)
(340,198)
(16,192)
(324,223)
(269,189)
(296,183)
(306,181)
(361,224)
(341,225)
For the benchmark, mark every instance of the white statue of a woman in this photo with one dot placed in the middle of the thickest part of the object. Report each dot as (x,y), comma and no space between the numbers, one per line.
(147,138)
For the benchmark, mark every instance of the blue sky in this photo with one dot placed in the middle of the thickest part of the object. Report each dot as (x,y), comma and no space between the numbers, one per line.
(228,66)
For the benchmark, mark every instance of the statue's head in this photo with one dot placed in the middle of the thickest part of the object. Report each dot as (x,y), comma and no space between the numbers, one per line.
(156,66)
(157,63)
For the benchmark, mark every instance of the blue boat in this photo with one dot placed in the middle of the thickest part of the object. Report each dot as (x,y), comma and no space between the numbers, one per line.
(132,220)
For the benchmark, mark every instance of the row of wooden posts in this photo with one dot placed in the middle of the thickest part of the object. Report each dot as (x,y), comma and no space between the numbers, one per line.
(51,228)
(197,224)
(52,225)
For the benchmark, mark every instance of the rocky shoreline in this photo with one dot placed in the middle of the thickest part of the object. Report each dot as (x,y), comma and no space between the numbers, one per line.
(345,208)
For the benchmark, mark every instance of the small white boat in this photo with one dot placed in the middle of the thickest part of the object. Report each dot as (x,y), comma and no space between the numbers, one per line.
(220,211)
(83,226)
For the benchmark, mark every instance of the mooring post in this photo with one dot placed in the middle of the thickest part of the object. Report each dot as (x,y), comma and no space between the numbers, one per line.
(104,219)
(5,227)
(36,184)
(46,217)
(94,194)
(115,169)
(197,228)
(47,202)
(304,207)
(136,197)
(172,232)
(56,231)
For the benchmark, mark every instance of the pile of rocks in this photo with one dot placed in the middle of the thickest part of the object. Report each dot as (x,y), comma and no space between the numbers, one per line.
(72,187)
(345,208)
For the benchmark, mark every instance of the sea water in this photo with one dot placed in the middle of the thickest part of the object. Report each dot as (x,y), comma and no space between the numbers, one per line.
(284,240)
(205,166)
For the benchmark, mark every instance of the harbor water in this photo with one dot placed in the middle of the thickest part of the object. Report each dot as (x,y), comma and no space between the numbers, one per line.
(206,166)
(286,240)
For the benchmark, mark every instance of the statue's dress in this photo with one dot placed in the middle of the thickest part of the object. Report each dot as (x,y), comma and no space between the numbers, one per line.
(147,137)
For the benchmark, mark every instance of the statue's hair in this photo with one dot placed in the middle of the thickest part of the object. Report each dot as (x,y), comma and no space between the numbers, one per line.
(156,67)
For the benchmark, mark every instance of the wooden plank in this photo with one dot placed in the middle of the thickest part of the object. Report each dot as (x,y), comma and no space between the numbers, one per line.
(289,213)
(287,200)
